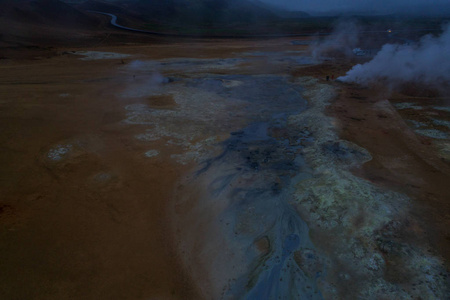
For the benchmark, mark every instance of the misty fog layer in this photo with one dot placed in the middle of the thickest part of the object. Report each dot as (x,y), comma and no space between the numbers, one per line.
(427,62)
(373,6)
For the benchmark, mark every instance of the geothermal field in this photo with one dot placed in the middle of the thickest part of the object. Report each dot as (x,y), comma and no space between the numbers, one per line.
(140,166)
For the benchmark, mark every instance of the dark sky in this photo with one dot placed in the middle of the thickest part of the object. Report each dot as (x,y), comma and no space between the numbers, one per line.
(427,7)
(382,6)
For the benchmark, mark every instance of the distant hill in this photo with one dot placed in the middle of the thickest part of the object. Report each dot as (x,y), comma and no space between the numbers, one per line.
(198,17)
(200,12)
(36,21)
(206,11)
(46,21)
(288,14)
(45,12)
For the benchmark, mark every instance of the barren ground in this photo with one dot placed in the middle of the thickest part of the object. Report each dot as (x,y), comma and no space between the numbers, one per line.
(105,194)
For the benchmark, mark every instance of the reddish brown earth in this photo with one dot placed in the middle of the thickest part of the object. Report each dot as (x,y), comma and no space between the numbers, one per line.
(96,225)
(93,225)
(402,160)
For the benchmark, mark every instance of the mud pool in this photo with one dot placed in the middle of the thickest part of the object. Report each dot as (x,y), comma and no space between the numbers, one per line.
(267,168)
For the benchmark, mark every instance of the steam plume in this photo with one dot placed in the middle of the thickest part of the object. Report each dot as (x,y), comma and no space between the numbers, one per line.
(427,62)
(344,38)
(145,80)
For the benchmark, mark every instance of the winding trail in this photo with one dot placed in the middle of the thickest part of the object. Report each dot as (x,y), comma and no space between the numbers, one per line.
(115,24)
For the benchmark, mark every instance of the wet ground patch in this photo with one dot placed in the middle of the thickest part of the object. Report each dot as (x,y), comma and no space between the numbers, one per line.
(252,180)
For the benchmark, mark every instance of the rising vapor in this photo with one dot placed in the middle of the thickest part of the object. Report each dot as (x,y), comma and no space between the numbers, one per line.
(344,38)
(426,62)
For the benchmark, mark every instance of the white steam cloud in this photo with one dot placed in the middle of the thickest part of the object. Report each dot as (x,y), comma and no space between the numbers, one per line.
(427,62)
(344,38)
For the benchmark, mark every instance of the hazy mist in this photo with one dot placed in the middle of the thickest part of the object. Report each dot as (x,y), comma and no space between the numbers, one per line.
(350,6)
(369,6)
